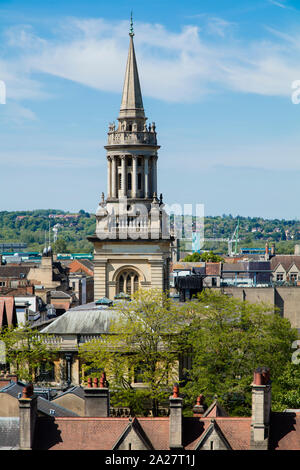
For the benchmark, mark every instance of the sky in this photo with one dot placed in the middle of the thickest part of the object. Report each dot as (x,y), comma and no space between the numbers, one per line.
(217,78)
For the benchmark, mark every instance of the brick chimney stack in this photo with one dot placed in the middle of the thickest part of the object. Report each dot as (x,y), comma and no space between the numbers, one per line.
(96,396)
(273,249)
(175,419)
(28,415)
(267,254)
(261,409)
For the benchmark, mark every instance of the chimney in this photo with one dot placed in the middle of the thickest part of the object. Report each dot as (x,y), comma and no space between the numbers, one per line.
(261,409)
(273,252)
(200,407)
(297,250)
(267,254)
(175,419)
(96,396)
(6,379)
(28,415)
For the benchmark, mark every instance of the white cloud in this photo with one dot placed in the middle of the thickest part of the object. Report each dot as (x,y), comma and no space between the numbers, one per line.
(178,67)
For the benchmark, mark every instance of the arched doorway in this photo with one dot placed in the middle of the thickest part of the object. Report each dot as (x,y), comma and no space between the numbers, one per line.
(128,282)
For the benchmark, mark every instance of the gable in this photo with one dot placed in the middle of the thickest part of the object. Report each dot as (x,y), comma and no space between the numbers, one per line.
(71,402)
(133,438)
(279,269)
(9,406)
(213,439)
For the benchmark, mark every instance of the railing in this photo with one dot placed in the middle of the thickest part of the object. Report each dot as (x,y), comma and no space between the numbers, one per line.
(87,338)
(132,138)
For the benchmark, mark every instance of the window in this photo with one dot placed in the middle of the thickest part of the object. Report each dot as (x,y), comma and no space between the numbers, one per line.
(214,281)
(129,161)
(45,372)
(2,283)
(129,181)
(139,161)
(120,180)
(279,277)
(128,282)
(130,127)
(293,277)
(139,181)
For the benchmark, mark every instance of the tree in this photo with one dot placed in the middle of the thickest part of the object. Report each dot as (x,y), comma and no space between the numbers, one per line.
(229,338)
(26,350)
(286,390)
(207,257)
(60,246)
(140,347)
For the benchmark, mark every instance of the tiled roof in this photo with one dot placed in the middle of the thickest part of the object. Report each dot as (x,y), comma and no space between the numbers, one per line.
(285,431)
(213,269)
(214,410)
(78,433)
(235,430)
(286,261)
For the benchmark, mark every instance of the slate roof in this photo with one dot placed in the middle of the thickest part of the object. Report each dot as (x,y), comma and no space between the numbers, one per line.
(76,390)
(58,294)
(13,271)
(9,433)
(44,406)
(83,319)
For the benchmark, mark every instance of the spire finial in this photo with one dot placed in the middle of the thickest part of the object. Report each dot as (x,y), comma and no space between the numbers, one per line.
(131,33)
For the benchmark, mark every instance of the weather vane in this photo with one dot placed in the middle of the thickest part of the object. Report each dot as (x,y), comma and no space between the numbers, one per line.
(131,26)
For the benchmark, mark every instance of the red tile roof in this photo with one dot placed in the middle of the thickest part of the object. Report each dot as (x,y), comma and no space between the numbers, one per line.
(83,433)
(285,431)
(213,269)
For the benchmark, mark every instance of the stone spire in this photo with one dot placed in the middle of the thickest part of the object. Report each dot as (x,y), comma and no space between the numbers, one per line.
(132,102)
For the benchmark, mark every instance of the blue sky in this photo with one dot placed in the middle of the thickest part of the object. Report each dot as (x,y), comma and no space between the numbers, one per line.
(216,78)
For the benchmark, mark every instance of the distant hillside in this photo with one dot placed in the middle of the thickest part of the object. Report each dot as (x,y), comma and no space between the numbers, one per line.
(30,227)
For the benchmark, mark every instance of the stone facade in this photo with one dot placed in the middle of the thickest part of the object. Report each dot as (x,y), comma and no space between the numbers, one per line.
(132,242)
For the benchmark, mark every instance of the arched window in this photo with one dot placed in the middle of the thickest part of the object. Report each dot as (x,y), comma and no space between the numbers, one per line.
(128,282)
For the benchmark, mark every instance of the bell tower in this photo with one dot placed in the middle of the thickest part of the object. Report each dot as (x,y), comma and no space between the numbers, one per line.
(132,242)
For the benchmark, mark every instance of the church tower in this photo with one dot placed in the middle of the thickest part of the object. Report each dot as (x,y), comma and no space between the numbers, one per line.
(132,243)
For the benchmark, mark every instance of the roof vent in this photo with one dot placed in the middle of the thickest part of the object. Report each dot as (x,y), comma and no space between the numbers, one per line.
(52,412)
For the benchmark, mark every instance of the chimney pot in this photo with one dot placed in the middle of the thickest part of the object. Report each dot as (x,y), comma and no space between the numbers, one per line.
(175,391)
(103,382)
(90,382)
(27,391)
(96,382)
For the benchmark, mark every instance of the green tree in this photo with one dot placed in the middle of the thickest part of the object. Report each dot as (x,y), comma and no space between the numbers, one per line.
(229,338)
(140,347)
(207,257)
(26,350)
(60,246)
(286,389)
